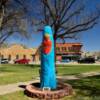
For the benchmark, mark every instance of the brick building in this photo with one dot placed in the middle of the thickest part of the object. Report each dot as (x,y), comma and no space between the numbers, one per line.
(68,51)
(71,51)
(17,51)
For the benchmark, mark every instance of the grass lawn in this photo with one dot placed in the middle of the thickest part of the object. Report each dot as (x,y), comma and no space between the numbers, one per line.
(84,89)
(15,96)
(19,73)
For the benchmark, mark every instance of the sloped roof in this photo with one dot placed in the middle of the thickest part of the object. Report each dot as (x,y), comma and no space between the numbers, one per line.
(18,49)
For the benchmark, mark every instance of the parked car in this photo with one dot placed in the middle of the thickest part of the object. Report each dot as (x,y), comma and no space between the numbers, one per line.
(4,61)
(86,60)
(65,60)
(22,61)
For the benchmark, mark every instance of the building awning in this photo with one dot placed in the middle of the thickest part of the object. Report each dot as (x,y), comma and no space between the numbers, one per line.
(70,55)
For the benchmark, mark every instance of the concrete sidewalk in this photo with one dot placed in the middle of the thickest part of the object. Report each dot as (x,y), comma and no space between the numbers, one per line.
(5,89)
(79,76)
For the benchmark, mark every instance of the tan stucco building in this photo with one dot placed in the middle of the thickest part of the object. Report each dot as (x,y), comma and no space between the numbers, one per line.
(17,51)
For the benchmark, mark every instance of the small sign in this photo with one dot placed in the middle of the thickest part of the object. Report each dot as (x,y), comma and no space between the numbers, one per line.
(46,89)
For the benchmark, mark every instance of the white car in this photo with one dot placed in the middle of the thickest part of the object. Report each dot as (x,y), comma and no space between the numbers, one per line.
(4,61)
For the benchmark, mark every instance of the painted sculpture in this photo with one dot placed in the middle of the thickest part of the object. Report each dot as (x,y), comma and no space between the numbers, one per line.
(47,74)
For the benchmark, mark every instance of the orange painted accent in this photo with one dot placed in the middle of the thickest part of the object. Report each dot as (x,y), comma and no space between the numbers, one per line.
(47,45)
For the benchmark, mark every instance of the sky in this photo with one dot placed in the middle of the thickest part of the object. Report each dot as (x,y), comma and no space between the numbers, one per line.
(90,39)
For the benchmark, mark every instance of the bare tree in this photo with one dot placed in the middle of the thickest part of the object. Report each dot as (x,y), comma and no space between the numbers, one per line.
(10,19)
(68,17)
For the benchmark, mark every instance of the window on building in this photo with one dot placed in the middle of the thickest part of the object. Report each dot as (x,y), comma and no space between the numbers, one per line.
(69,49)
(2,56)
(33,57)
(66,48)
(24,56)
(72,49)
(9,57)
(58,49)
(63,48)
(77,49)
(17,56)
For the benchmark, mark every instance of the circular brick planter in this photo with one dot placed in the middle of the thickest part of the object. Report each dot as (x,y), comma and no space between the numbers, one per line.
(34,91)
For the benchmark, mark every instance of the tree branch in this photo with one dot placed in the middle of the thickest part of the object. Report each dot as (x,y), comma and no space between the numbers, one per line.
(66,9)
(85,23)
(45,2)
(81,27)
(84,29)
(5,37)
(76,31)
(56,10)
(78,11)
(64,5)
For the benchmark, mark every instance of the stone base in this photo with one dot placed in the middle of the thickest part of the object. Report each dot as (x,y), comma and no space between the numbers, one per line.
(62,90)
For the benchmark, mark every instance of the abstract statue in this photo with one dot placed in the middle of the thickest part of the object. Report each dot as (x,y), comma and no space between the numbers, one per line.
(47,74)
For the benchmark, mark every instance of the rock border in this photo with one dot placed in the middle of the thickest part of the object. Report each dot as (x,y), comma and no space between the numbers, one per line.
(62,91)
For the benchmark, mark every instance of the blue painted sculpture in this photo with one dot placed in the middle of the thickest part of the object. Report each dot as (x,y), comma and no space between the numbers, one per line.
(47,74)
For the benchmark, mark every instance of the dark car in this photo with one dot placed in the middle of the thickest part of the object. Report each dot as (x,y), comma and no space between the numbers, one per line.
(86,60)
(22,61)
(4,61)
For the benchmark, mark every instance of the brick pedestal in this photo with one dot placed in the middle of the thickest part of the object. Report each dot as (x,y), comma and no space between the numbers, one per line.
(34,91)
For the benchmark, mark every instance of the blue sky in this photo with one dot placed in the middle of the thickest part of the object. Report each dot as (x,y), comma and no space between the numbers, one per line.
(90,39)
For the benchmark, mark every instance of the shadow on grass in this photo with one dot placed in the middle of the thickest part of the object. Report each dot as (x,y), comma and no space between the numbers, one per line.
(69,74)
(26,65)
(22,86)
(89,86)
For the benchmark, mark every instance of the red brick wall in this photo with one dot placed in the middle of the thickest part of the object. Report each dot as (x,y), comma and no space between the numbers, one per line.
(68,48)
